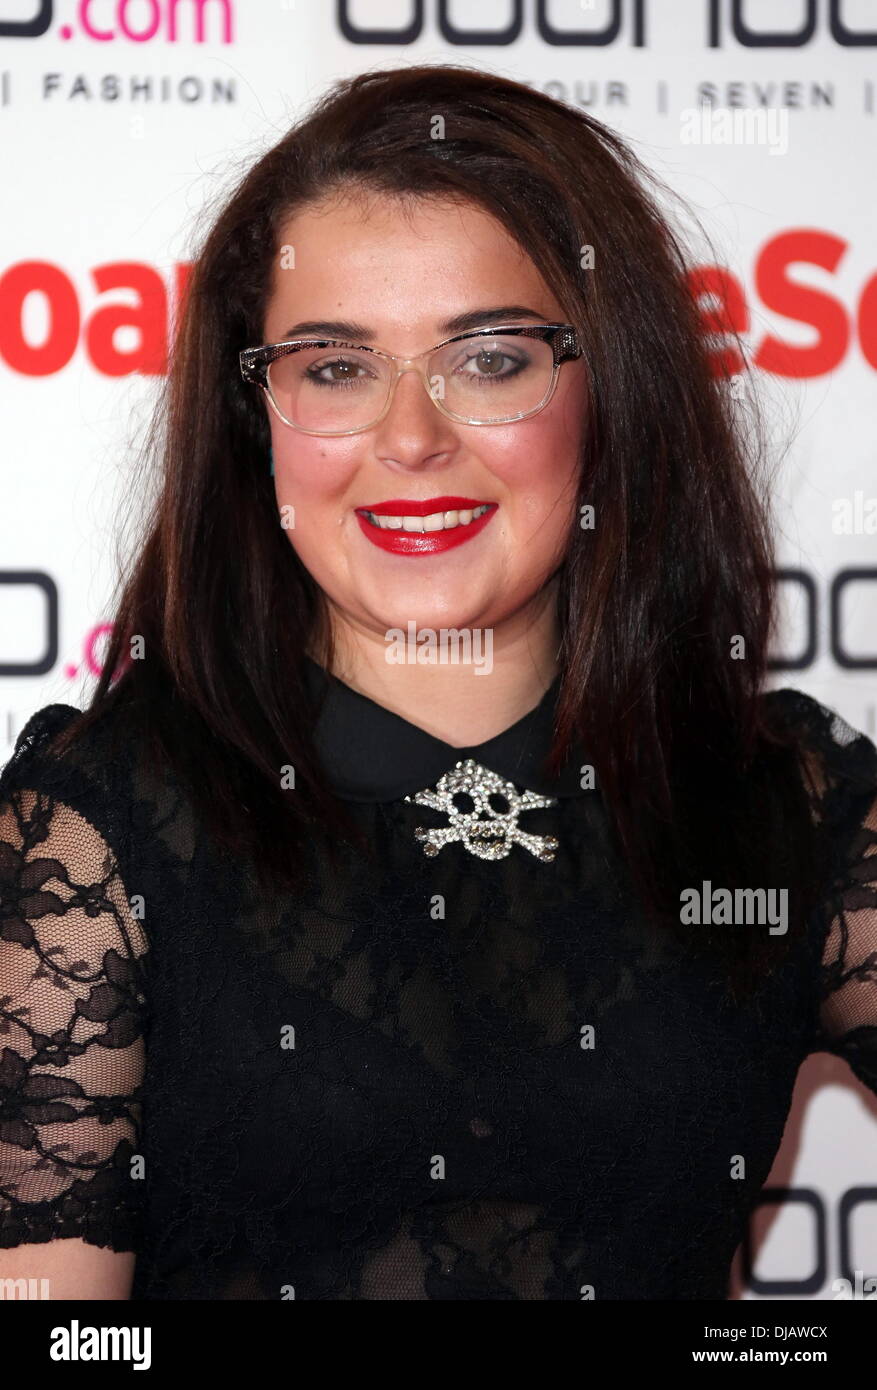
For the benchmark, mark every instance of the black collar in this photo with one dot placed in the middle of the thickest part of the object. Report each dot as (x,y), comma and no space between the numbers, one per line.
(372,754)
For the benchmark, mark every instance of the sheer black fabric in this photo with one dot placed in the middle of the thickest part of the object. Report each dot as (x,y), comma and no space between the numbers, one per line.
(386,1086)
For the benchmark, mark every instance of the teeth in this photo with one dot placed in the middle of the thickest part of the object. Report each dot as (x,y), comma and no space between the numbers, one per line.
(436,521)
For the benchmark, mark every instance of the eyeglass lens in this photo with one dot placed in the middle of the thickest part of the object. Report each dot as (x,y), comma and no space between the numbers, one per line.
(480,379)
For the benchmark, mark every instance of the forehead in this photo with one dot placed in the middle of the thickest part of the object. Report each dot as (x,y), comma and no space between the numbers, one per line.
(397,264)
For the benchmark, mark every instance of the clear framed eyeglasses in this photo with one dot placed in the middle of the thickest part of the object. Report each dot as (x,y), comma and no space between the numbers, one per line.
(491,376)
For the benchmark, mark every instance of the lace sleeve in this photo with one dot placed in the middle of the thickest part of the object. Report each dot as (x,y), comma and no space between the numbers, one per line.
(844,773)
(71,1026)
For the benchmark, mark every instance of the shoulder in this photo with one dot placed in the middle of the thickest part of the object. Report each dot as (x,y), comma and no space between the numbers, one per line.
(837,763)
(83,760)
(31,758)
(60,745)
(818,724)
(839,758)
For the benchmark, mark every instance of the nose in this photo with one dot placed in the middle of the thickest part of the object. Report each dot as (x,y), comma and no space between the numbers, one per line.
(414,430)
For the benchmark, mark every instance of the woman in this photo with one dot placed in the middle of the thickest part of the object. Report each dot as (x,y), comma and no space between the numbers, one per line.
(341,965)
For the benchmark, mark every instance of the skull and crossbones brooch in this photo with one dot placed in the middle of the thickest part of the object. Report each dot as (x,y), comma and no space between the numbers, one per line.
(485,830)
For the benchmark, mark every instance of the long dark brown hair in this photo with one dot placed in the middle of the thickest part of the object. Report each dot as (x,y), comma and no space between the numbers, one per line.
(677,568)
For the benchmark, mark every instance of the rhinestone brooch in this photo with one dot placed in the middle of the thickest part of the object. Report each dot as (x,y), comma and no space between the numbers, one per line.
(484,830)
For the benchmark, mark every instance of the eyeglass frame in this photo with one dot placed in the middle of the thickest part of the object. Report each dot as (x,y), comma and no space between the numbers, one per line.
(564,342)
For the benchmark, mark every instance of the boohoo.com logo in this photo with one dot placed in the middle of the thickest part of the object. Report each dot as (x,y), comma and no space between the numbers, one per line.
(628,21)
(75,1343)
(167,21)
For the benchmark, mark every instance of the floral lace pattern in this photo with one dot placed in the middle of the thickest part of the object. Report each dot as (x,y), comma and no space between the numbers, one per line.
(71,1029)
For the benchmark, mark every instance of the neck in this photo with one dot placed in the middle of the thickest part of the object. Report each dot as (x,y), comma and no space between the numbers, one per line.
(498,676)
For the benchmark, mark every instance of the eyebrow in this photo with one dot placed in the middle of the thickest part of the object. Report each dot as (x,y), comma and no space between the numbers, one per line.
(460,323)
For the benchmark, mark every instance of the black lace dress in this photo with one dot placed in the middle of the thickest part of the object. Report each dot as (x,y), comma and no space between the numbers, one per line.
(387,1086)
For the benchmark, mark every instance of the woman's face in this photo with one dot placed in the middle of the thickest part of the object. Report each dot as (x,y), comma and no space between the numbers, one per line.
(402,276)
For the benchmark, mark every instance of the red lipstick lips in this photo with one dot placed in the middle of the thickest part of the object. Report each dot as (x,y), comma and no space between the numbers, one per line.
(401,542)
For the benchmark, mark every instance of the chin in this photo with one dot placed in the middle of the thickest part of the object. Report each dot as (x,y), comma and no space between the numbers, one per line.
(426,604)
(424,618)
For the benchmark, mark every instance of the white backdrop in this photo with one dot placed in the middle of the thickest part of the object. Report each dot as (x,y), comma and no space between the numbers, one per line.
(120,118)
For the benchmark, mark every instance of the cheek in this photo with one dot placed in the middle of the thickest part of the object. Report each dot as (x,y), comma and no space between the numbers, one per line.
(550,477)
(310,472)
(538,466)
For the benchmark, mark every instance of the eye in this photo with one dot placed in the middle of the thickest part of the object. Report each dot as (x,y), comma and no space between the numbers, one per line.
(489,364)
(349,371)
(499,803)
